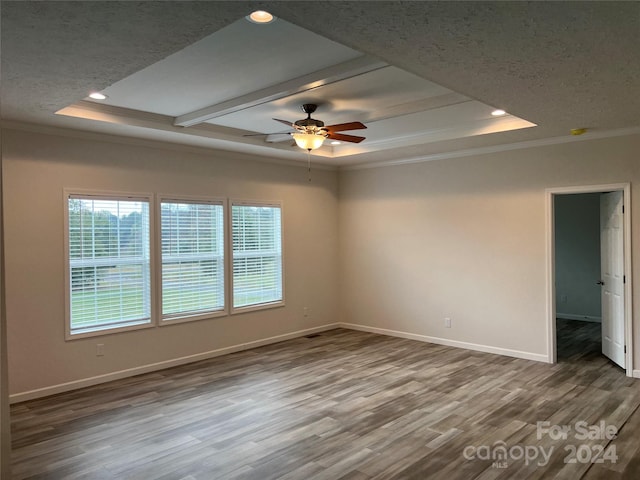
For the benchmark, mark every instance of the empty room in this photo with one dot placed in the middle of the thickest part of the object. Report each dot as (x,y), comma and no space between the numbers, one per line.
(319,240)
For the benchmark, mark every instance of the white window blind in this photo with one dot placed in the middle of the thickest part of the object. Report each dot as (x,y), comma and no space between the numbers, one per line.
(109,268)
(257,254)
(192,258)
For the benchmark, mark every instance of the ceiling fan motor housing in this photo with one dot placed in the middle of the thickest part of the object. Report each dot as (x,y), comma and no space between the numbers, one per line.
(309,108)
(309,122)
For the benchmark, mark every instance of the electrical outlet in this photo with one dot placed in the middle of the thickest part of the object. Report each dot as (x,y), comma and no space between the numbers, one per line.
(563,299)
(305,311)
(100,350)
(447,322)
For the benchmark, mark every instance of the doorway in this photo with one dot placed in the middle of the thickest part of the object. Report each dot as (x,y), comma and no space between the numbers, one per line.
(591,297)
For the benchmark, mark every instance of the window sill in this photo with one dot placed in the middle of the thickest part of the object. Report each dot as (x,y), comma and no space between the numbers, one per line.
(108,330)
(253,308)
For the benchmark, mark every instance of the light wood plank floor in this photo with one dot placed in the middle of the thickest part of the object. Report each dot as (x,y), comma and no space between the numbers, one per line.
(340,405)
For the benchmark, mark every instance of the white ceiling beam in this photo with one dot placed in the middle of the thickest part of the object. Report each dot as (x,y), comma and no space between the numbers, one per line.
(325,76)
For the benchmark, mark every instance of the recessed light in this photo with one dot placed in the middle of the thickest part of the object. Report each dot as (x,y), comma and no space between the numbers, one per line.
(97,96)
(260,16)
(335,143)
(498,113)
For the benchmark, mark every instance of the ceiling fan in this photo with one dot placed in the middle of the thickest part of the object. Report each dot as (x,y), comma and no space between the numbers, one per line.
(310,133)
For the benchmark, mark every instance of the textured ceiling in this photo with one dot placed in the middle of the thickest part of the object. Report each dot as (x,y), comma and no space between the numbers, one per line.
(561,65)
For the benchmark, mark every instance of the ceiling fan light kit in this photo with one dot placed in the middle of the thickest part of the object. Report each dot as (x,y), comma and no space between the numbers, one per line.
(308,141)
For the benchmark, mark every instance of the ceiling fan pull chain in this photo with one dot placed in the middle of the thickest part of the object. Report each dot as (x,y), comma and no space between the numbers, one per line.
(309,164)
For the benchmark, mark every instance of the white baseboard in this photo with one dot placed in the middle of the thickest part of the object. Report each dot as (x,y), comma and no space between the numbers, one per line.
(584,318)
(636,374)
(450,343)
(87,382)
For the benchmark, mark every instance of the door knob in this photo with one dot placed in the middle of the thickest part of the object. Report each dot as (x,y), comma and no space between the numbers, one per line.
(600,283)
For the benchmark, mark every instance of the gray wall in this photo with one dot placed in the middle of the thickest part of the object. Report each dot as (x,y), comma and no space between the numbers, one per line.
(577,236)
(36,170)
(465,239)
(393,249)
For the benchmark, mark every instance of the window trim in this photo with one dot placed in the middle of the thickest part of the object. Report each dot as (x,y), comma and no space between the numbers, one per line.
(106,195)
(158,259)
(261,306)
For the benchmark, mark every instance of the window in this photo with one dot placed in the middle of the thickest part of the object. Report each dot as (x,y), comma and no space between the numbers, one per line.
(114,280)
(257,254)
(192,258)
(108,276)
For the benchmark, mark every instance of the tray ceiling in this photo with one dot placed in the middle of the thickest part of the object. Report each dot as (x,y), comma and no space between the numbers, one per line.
(232,84)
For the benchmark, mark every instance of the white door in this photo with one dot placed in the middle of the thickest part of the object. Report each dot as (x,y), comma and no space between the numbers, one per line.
(612,276)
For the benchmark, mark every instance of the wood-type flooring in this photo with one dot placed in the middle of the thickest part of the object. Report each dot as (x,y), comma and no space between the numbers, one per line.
(345,405)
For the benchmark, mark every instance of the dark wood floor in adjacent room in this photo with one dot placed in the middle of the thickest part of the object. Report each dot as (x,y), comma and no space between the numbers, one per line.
(339,405)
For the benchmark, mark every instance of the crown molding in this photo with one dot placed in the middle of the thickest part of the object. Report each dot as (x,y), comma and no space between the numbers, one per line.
(157,144)
(542,142)
(200,150)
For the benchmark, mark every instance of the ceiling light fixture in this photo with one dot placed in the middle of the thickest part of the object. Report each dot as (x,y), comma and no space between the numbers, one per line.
(260,16)
(97,96)
(498,113)
(308,141)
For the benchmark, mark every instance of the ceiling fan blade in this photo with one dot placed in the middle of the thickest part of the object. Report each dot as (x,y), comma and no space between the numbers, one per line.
(278,137)
(285,122)
(340,127)
(264,134)
(345,138)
